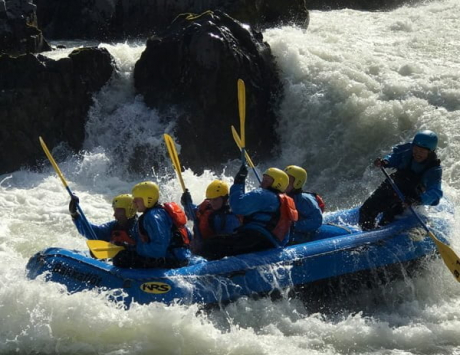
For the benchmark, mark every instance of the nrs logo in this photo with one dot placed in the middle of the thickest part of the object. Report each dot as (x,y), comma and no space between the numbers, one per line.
(155,287)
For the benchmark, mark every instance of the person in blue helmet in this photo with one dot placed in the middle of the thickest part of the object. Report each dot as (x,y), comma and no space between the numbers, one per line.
(307,204)
(418,175)
(162,240)
(120,231)
(268,214)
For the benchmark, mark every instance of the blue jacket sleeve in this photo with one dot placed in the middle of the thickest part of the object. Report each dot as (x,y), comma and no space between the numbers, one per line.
(158,225)
(310,215)
(103,231)
(432,182)
(190,211)
(400,156)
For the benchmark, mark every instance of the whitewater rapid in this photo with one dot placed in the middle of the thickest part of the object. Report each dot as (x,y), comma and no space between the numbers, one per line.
(356,83)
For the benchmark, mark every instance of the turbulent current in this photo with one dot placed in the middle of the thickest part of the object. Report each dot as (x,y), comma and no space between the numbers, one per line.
(356,83)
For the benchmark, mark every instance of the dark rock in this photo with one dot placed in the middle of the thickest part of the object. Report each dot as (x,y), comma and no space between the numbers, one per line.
(43,97)
(195,65)
(19,33)
(121,19)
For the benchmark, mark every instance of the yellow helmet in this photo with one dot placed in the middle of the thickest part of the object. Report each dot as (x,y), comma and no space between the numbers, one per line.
(299,174)
(217,188)
(125,201)
(148,191)
(280,179)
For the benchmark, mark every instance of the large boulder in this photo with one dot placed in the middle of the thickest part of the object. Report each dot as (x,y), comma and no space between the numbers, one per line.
(19,33)
(41,96)
(194,67)
(121,19)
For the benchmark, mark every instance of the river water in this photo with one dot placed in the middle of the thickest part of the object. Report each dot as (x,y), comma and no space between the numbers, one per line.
(356,83)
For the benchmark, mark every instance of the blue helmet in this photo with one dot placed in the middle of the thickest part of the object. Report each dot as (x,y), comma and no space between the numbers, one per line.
(426,139)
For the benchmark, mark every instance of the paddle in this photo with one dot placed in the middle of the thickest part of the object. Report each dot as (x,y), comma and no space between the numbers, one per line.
(64,182)
(242,113)
(238,142)
(170,145)
(174,158)
(102,249)
(451,259)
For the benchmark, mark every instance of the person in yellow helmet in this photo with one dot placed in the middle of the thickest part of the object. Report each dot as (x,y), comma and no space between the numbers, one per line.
(213,216)
(119,231)
(162,240)
(268,215)
(307,204)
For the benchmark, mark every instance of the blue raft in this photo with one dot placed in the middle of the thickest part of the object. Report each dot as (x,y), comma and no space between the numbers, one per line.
(340,250)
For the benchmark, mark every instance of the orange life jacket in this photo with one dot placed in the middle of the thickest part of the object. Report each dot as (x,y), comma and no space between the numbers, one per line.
(287,215)
(120,236)
(180,233)
(203,214)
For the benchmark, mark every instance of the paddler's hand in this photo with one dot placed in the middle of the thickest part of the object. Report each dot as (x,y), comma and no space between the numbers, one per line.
(74,201)
(186,198)
(380,163)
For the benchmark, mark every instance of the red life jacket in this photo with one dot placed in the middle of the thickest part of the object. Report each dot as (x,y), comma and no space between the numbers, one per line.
(180,233)
(287,215)
(203,214)
(121,236)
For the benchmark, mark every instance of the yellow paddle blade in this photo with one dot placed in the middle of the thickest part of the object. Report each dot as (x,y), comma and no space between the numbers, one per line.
(102,249)
(242,110)
(170,145)
(53,162)
(449,257)
(237,140)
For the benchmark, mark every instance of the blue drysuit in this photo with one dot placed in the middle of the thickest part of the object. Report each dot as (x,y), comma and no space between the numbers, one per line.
(310,217)
(220,222)
(258,207)
(401,158)
(157,226)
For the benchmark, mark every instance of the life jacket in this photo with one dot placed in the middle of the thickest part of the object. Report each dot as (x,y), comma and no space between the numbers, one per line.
(180,233)
(206,216)
(179,230)
(120,235)
(284,218)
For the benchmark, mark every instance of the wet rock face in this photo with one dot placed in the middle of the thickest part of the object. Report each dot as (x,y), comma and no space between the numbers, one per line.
(19,33)
(44,97)
(194,66)
(121,19)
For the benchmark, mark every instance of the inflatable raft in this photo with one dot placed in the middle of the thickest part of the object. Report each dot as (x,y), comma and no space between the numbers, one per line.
(338,251)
